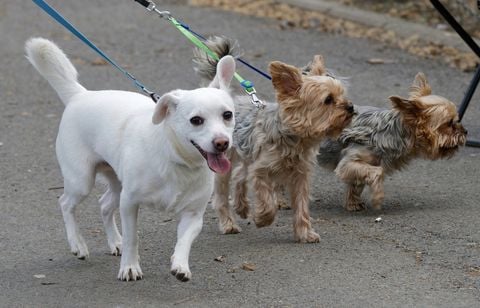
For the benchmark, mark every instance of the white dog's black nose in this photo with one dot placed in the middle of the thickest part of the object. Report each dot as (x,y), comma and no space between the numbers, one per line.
(221,144)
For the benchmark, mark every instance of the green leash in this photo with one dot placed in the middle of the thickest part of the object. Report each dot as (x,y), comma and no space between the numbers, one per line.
(246,84)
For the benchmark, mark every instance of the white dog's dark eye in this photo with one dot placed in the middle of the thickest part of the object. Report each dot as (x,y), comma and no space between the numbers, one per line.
(227,115)
(197,120)
(451,123)
(328,100)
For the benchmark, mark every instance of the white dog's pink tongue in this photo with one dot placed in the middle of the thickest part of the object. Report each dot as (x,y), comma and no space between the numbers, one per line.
(219,163)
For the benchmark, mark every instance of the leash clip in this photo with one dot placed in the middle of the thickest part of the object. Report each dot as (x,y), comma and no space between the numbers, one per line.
(152,7)
(250,90)
(255,100)
(164,14)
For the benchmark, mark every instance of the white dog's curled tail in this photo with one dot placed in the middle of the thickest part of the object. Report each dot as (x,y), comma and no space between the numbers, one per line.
(53,65)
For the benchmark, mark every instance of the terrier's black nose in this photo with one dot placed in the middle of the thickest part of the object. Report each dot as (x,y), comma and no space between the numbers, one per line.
(221,144)
(350,108)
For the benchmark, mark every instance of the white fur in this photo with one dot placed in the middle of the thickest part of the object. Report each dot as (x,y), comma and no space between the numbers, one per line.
(142,149)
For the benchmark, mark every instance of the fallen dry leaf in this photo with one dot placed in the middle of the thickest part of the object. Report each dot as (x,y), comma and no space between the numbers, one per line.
(474,271)
(78,61)
(99,61)
(418,257)
(378,61)
(220,259)
(246,266)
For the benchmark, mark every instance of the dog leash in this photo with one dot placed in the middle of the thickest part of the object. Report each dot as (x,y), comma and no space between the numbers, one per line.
(238,59)
(60,19)
(150,6)
(195,38)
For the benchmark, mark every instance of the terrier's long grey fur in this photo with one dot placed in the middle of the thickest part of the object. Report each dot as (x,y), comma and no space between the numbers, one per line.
(245,113)
(378,131)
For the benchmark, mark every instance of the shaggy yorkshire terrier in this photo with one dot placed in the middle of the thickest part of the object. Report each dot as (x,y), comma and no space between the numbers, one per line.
(276,146)
(379,142)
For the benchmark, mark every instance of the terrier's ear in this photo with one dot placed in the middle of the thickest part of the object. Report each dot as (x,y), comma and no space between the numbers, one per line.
(224,75)
(420,87)
(286,79)
(406,105)
(165,105)
(318,66)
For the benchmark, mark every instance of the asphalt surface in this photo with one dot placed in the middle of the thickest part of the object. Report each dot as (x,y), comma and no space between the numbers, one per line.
(425,251)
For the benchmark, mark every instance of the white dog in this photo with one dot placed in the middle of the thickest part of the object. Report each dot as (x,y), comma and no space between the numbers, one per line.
(149,154)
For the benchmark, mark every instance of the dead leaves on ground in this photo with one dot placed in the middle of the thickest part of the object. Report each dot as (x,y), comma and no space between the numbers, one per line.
(246,266)
(294,17)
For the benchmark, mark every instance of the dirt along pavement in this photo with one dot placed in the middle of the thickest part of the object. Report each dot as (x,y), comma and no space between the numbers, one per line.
(425,251)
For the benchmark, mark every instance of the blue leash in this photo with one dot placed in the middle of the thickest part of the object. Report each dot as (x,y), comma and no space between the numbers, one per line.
(59,18)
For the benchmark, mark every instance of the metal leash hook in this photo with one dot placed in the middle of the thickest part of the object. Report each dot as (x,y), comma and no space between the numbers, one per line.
(250,90)
(256,101)
(152,7)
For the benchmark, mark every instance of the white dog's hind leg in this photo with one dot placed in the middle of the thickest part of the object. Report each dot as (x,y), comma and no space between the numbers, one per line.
(129,265)
(109,203)
(68,201)
(188,228)
(78,180)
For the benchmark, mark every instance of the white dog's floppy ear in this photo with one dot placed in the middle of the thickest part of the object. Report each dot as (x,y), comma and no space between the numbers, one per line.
(167,103)
(224,75)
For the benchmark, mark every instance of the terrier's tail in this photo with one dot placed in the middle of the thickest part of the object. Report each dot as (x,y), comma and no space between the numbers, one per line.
(329,154)
(205,66)
(53,65)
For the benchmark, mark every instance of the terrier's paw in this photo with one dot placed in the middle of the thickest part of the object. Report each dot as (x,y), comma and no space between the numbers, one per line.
(130,272)
(283,204)
(377,206)
(355,206)
(242,212)
(307,236)
(229,227)
(181,273)
(313,237)
(264,220)
(378,200)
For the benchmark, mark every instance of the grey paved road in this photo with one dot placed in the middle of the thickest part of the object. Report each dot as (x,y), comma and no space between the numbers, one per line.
(424,253)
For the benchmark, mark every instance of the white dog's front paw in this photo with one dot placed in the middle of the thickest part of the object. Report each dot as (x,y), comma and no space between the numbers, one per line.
(130,272)
(79,248)
(116,248)
(181,273)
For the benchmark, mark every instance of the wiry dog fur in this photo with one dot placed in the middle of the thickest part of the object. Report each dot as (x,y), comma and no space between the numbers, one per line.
(149,154)
(276,146)
(379,142)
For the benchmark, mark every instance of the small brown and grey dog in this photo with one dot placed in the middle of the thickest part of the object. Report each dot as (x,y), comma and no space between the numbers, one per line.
(379,142)
(276,146)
